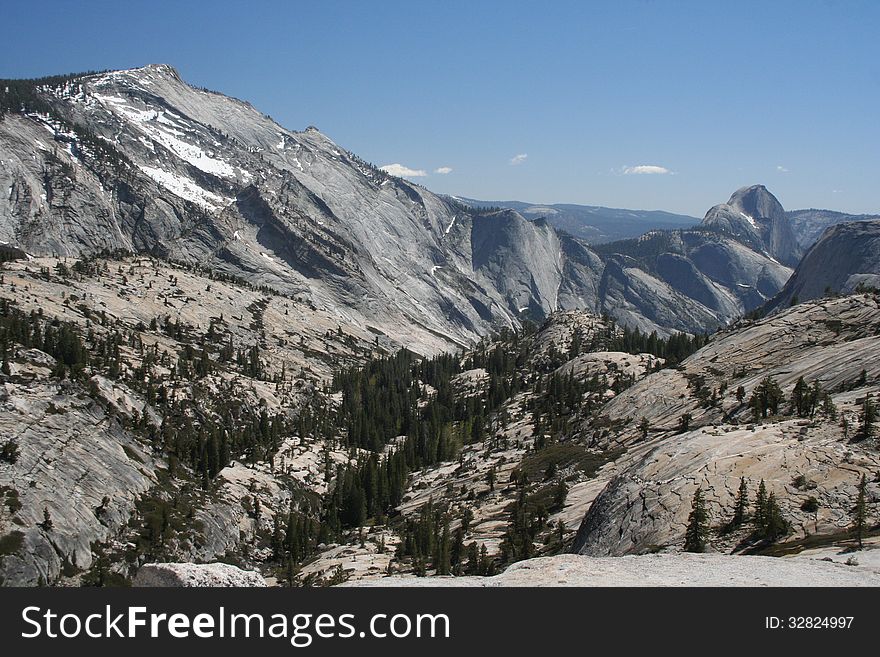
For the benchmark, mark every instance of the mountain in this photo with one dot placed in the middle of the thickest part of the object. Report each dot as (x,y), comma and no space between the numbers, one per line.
(756,218)
(845,257)
(226,341)
(712,277)
(808,225)
(138,161)
(593,224)
(600,225)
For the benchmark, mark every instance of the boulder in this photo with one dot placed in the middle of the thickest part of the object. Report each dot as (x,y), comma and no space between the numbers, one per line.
(193,574)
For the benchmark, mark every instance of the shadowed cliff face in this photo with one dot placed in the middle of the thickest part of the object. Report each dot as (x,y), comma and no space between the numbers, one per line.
(846,256)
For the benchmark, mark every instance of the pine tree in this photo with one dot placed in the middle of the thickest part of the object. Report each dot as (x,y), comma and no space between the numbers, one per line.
(697,533)
(444,561)
(473,559)
(742,503)
(868,418)
(776,524)
(860,512)
(486,566)
(644,427)
(766,398)
(759,519)
(828,407)
(800,398)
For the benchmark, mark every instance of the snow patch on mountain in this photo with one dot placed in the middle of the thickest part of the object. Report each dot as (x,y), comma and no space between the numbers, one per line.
(186,189)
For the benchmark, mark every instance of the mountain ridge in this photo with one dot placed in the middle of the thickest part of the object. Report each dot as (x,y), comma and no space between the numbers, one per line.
(140,161)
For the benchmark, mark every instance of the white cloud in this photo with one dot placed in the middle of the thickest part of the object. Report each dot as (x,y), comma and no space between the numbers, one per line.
(645,169)
(443,170)
(781,169)
(518,159)
(403,172)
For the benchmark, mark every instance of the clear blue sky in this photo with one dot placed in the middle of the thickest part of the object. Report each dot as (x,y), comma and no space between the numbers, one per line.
(720,94)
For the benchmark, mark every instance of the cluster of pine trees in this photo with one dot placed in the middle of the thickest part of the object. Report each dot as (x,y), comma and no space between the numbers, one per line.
(767,520)
(61,340)
(673,349)
(427,541)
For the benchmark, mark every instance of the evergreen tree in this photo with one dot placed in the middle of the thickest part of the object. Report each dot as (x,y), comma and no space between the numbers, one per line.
(766,398)
(47,520)
(697,534)
(859,524)
(800,398)
(486,566)
(742,503)
(828,407)
(776,525)
(759,518)
(868,418)
(444,560)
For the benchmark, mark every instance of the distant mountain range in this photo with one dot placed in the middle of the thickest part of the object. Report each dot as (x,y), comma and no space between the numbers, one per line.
(592,223)
(598,225)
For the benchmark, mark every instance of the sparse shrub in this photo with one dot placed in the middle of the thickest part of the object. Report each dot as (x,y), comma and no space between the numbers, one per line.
(810,505)
(9,451)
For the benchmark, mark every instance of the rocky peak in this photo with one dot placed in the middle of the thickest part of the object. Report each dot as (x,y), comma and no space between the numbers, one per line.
(757,202)
(756,218)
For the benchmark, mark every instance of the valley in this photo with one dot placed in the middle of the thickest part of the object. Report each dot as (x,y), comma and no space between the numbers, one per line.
(227,342)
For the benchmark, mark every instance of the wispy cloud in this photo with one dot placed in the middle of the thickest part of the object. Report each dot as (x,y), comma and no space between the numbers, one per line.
(518,159)
(401,171)
(646,169)
(781,169)
(443,170)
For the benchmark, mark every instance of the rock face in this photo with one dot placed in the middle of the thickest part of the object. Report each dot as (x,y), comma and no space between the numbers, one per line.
(685,278)
(140,161)
(847,255)
(78,466)
(191,574)
(647,499)
(656,570)
(808,225)
(756,218)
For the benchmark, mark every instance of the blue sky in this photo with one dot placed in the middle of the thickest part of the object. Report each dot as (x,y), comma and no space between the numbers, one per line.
(545,102)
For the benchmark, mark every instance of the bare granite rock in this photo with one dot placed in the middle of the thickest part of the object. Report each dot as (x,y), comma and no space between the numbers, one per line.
(198,575)
(656,570)
(647,499)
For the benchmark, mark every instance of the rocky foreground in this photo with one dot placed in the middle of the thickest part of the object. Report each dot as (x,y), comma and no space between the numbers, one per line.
(196,575)
(657,570)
